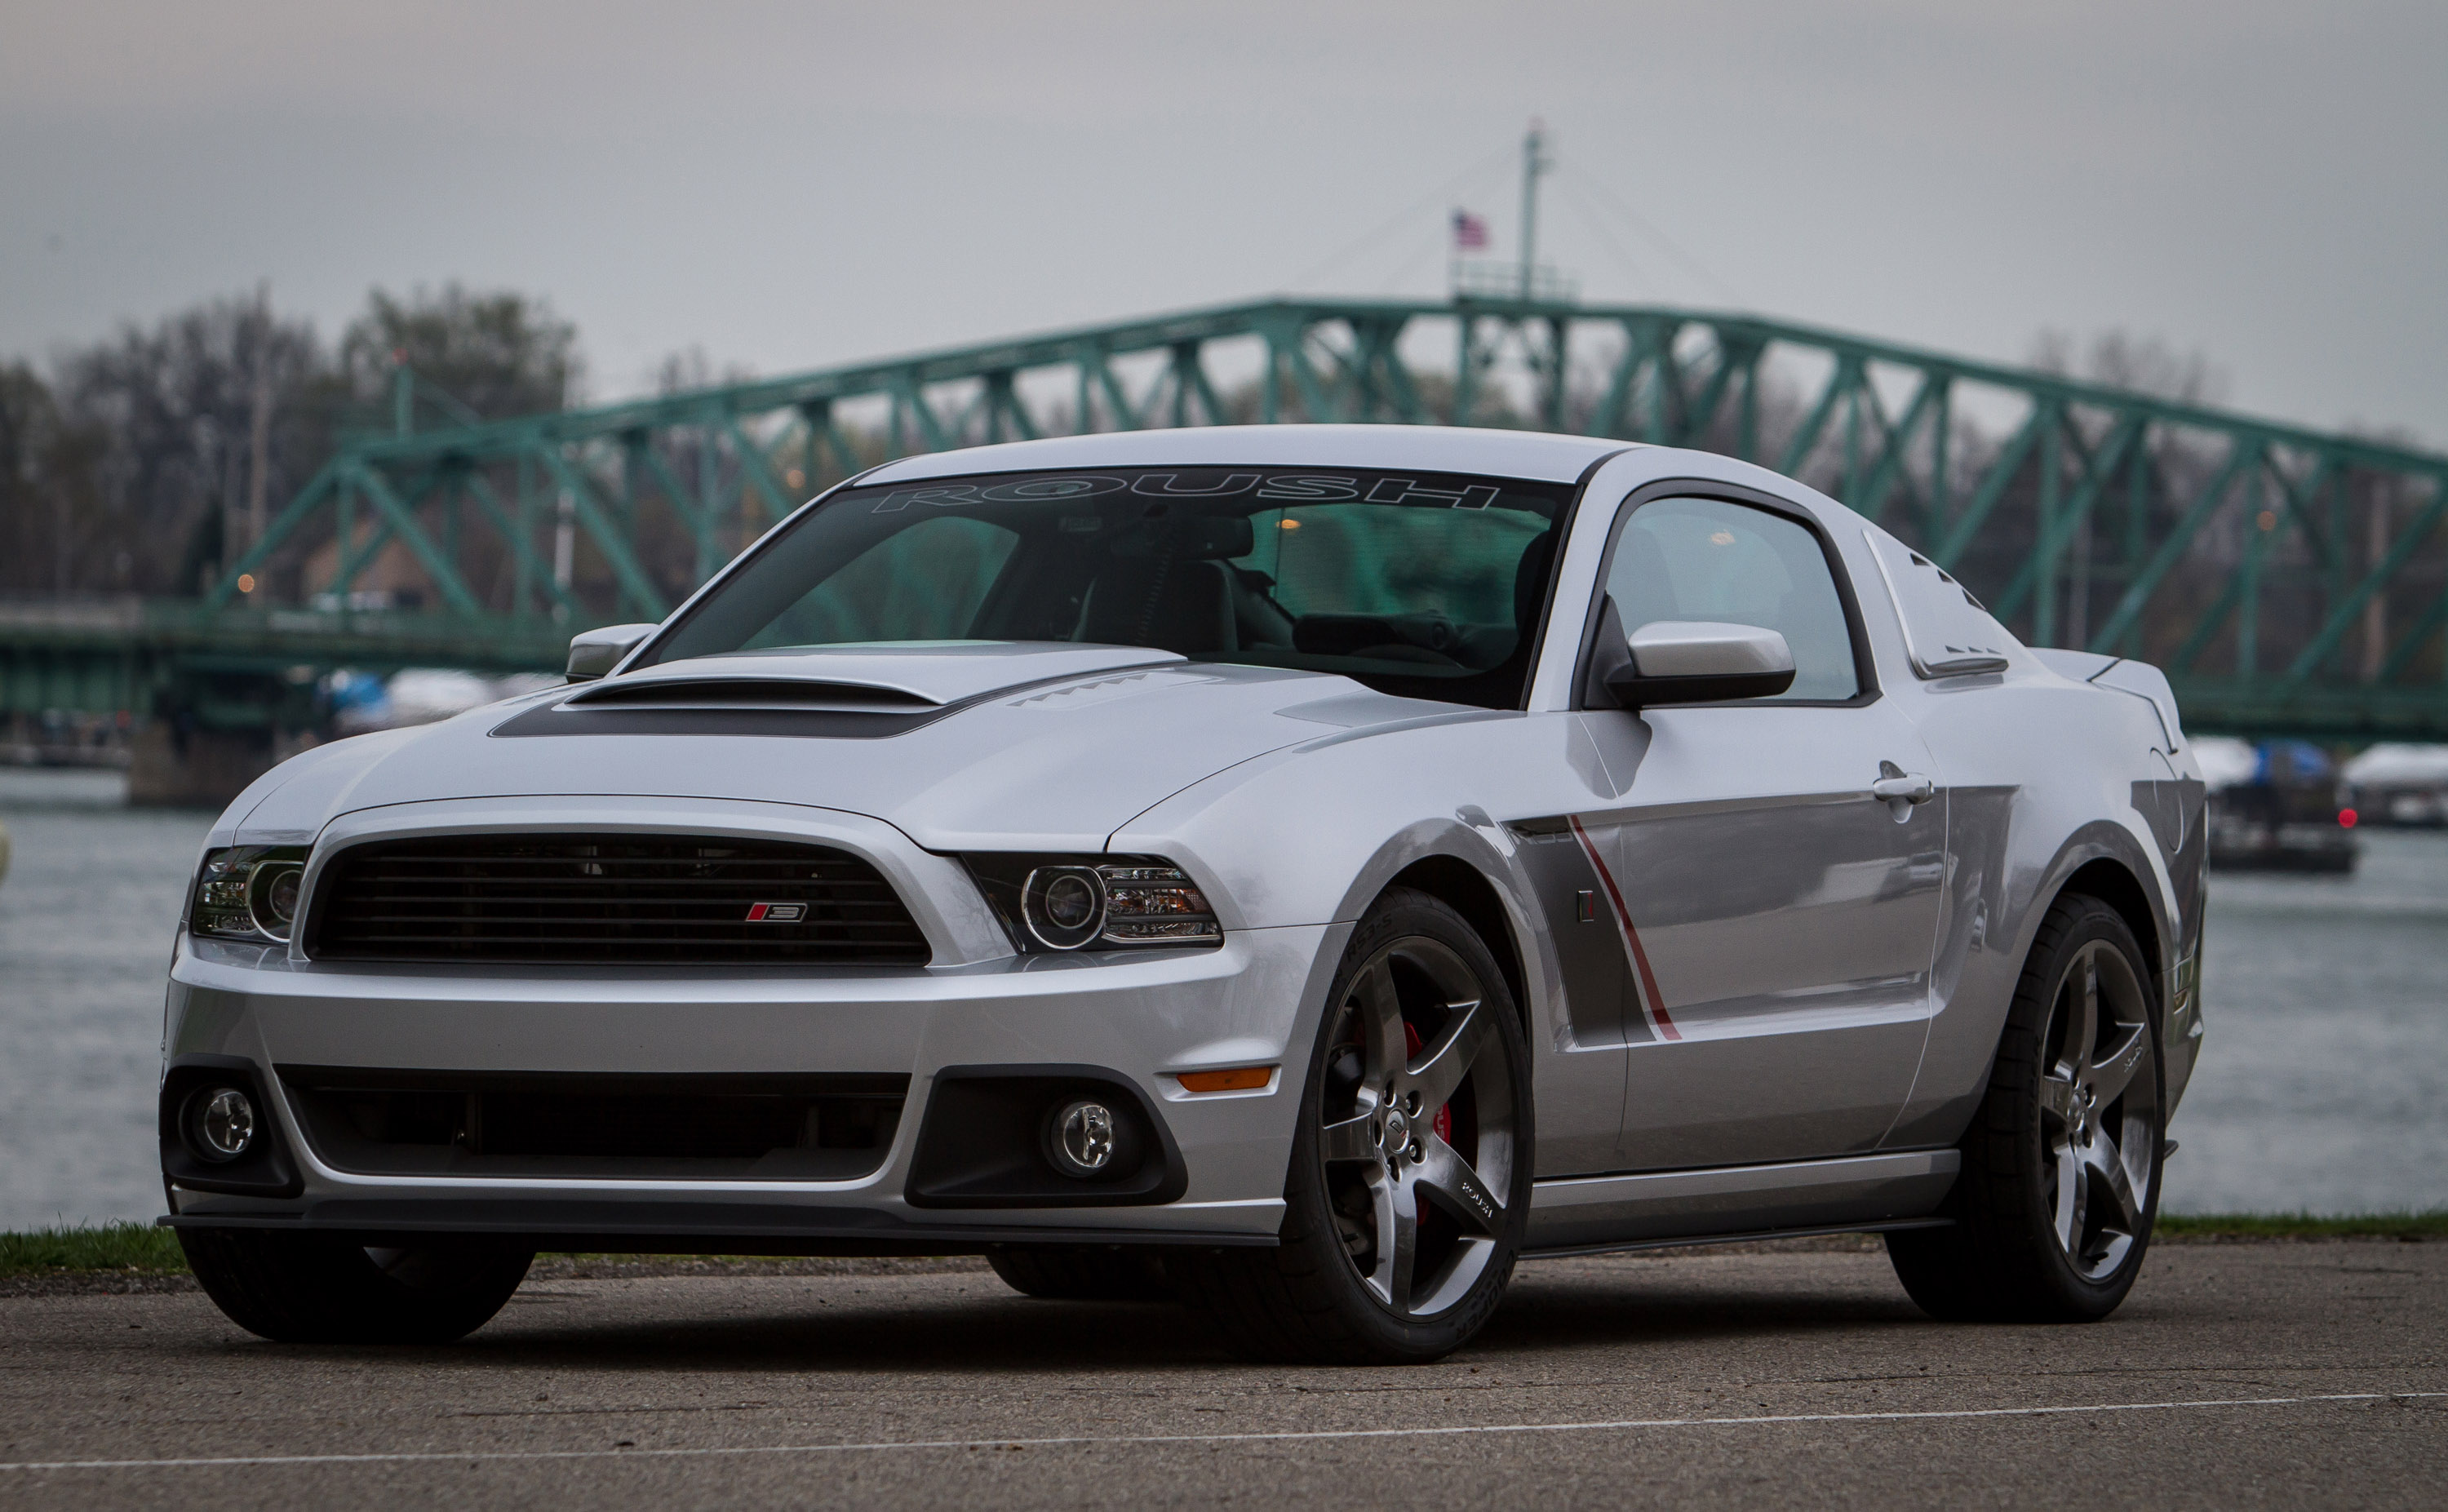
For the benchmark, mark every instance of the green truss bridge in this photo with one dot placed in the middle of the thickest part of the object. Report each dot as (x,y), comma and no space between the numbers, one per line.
(2292,581)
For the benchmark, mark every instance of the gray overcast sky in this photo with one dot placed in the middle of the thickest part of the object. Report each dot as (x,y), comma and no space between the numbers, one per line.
(788,185)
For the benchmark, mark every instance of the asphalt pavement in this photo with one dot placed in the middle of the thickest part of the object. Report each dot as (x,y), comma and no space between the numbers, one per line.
(2294,1374)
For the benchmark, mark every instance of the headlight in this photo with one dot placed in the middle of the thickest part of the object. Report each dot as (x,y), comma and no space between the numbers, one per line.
(248,893)
(1052,903)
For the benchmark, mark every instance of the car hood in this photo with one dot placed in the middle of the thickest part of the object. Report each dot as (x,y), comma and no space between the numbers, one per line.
(1003,747)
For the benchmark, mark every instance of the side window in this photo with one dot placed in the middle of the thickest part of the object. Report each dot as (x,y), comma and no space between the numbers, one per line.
(923,583)
(1707,559)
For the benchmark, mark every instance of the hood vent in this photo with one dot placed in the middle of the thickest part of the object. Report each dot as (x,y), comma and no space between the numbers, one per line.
(850,693)
(749,693)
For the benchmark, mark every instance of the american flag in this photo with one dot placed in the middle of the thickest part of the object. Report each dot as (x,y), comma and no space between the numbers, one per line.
(1469,232)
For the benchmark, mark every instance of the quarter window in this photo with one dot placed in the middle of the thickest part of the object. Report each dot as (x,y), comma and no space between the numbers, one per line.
(1709,559)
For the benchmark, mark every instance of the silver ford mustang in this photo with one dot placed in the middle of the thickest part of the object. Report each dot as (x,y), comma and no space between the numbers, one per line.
(1302,869)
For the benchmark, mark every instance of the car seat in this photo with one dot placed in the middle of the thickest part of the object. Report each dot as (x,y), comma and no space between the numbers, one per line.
(1166,585)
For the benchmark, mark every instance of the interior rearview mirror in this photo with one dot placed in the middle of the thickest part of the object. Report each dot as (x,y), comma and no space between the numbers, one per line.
(1701,661)
(592,653)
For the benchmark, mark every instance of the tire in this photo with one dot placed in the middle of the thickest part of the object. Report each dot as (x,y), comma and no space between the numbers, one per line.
(320,1289)
(1417,1096)
(2060,1184)
(1083,1273)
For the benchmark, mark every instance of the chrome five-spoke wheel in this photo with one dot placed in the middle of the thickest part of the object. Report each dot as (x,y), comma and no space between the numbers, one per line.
(2050,1216)
(1409,1183)
(1418,1144)
(2099,1112)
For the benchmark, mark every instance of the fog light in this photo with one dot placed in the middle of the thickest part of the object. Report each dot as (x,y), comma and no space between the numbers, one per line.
(1083,1138)
(225,1123)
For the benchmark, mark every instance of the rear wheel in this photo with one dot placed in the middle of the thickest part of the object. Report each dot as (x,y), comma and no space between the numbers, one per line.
(320,1289)
(2060,1184)
(1409,1181)
(1083,1273)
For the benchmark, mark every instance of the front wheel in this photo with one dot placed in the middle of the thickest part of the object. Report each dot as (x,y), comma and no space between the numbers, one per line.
(322,1289)
(2061,1183)
(1409,1184)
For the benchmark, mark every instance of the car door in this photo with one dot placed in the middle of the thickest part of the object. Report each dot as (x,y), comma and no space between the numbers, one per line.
(1773,867)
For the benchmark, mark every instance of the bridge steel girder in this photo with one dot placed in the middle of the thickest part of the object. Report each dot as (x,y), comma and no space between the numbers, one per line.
(2088,514)
(133,656)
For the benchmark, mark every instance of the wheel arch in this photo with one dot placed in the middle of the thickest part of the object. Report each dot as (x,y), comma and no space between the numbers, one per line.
(2101,859)
(1468,891)
(2113,882)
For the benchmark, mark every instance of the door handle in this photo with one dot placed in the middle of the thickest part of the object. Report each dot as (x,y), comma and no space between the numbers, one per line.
(1904,788)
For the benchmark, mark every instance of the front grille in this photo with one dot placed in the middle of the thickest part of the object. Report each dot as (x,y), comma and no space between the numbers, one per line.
(628,899)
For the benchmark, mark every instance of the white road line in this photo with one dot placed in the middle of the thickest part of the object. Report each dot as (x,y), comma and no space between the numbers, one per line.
(1092,1441)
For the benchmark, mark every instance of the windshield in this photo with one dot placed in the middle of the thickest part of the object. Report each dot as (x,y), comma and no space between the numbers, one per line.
(1424,584)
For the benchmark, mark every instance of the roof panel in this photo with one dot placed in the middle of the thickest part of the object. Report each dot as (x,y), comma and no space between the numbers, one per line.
(1526,454)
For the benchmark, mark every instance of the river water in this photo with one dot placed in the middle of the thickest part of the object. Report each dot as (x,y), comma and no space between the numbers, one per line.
(2324,1083)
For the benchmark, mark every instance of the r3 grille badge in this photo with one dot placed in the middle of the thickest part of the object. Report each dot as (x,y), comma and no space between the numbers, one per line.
(776,912)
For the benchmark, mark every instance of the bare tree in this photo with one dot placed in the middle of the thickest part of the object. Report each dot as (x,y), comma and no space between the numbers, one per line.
(175,411)
(495,354)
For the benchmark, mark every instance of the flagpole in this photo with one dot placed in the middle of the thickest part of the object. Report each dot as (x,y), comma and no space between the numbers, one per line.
(1533,161)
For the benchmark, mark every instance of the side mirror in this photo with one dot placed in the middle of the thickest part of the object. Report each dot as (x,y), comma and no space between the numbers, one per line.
(1701,661)
(592,653)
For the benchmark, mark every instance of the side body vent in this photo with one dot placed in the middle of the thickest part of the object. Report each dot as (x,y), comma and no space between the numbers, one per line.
(595,899)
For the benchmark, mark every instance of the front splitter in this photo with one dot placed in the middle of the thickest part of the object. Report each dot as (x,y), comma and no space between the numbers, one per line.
(615,1227)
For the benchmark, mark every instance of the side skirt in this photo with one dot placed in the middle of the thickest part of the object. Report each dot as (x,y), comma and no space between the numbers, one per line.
(1586,1213)
(1630,1245)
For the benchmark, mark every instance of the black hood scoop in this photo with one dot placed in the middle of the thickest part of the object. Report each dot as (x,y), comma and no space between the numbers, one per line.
(749,693)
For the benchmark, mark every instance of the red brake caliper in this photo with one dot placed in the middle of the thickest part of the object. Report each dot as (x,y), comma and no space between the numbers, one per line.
(1442,1122)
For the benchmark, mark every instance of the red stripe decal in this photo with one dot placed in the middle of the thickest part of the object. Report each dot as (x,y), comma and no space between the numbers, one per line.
(755,912)
(1653,1007)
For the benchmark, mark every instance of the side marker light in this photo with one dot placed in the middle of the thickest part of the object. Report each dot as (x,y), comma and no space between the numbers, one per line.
(1240,1078)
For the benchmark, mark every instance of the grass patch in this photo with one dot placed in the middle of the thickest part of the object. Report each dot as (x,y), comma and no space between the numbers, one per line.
(2432,1224)
(90,1248)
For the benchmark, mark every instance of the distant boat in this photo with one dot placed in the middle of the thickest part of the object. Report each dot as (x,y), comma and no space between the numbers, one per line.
(2399,784)
(2275,808)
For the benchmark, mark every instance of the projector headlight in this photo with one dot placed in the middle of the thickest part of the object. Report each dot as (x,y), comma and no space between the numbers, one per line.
(1063,906)
(1070,903)
(248,893)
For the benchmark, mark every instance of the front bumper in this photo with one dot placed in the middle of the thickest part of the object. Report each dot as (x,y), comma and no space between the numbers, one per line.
(1140,1020)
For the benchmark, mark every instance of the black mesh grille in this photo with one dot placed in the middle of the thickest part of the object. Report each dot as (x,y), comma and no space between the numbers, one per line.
(753,1126)
(663,900)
